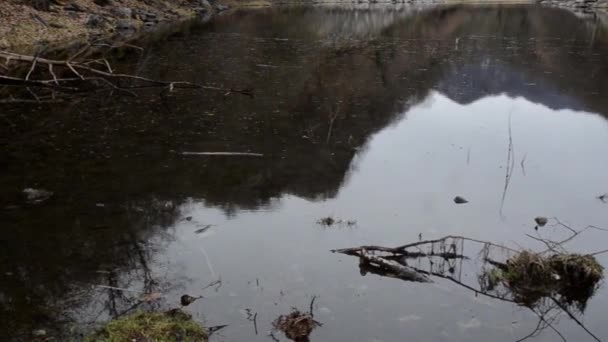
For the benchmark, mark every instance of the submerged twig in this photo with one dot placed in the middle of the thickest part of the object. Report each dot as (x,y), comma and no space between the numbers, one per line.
(246,154)
(509,168)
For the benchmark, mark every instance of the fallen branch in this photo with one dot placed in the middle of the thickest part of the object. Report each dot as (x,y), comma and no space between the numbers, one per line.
(547,284)
(86,71)
(246,154)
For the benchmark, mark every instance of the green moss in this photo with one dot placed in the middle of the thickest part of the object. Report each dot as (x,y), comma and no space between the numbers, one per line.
(171,326)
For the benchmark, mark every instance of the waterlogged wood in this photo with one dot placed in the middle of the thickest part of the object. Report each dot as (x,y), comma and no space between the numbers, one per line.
(400,271)
(245,154)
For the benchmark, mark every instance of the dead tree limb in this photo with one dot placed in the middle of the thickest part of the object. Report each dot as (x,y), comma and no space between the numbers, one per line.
(90,74)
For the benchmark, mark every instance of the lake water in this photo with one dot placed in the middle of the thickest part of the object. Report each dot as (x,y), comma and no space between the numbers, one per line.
(374,114)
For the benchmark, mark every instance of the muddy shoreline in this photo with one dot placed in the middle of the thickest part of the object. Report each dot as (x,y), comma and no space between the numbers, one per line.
(37,26)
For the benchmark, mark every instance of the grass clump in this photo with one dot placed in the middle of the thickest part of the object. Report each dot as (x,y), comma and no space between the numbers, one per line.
(570,278)
(171,326)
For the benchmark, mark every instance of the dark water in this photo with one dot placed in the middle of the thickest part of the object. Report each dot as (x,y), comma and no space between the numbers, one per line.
(379,115)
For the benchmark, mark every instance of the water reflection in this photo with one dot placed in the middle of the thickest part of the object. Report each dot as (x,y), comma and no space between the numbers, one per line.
(328,83)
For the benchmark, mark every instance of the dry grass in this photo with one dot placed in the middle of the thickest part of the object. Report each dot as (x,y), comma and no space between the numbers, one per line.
(571,278)
(22,26)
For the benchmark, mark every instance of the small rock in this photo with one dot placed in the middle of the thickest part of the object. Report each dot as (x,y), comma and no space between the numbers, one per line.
(189,218)
(541,221)
(460,200)
(96,21)
(221,8)
(122,12)
(36,196)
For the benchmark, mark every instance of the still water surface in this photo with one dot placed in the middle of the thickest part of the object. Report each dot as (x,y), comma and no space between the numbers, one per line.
(377,115)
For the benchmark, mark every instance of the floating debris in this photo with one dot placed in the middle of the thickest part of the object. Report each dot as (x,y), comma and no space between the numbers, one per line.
(570,278)
(460,200)
(243,154)
(549,283)
(326,221)
(36,196)
(330,221)
(296,326)
(541,221)
(203,229)
(186,300)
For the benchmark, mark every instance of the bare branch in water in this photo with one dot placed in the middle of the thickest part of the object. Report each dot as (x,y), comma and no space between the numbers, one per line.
(510,165)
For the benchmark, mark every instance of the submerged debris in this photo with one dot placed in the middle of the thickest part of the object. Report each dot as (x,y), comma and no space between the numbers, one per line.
(550,283)
(173,325)
(36,196)
(570,278)
(460,200)
(203,229)
(330,221)
(296,326)
(186,299)
(326,221)
(541,221)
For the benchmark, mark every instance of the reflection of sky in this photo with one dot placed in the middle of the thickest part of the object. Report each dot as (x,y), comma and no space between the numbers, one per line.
(403,185)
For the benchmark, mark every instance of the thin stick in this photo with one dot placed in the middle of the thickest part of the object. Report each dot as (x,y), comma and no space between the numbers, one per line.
(27,77)
(202,249)
(509,168)
(312,303)
(247,154)
(53,74)
(255,323)
(576,320)
(74,71)
(534,332)
(116,288)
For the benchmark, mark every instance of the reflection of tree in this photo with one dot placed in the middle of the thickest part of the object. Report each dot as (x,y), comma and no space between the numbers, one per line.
(48,286)
(118,152)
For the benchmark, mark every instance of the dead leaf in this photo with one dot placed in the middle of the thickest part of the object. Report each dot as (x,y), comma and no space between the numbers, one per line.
(151,297)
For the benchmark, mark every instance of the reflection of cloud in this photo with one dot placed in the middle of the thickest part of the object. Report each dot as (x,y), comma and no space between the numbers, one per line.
(409,318)
(474,323)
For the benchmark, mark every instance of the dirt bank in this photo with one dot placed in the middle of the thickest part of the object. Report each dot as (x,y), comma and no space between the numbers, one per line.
(27,24)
